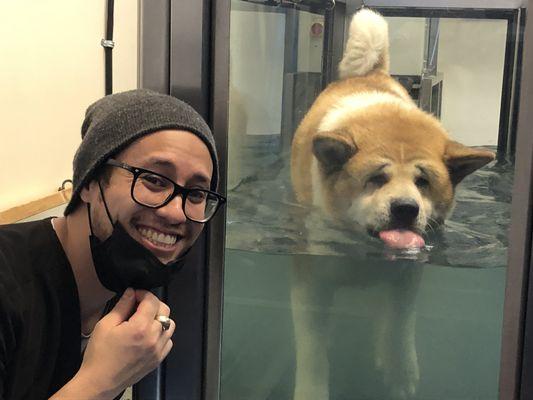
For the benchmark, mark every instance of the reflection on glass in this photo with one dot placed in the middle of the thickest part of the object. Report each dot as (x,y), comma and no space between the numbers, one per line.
(459,300)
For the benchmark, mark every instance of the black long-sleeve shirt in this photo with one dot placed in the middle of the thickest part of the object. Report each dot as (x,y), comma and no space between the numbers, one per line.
(39,313)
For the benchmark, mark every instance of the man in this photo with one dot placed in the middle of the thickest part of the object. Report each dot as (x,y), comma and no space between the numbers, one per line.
(144,181)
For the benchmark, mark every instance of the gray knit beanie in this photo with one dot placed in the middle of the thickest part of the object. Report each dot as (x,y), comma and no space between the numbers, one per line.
(115,121)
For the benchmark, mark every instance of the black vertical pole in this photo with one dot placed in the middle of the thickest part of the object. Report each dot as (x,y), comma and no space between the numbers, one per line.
(507,87)
(516,367)
(108,45)
(190,80)
(154,49)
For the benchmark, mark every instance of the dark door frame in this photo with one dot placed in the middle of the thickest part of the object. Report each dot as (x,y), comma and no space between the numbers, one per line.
(184,51)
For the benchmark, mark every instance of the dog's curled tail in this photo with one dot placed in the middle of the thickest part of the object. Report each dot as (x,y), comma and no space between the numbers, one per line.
(367,48)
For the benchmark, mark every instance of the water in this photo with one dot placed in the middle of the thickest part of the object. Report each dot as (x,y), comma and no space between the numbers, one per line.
(261,218)
(459,300)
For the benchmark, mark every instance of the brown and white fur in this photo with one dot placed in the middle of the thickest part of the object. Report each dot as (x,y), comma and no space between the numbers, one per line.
(368,157)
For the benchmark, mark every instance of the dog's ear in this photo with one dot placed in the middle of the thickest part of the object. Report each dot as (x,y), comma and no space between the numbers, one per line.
(462,160)
(333,149)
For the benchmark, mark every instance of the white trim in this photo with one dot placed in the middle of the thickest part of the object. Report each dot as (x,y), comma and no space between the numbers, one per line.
(505,4)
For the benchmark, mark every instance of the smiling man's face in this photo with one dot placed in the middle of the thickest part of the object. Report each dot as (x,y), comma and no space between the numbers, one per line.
(166,232)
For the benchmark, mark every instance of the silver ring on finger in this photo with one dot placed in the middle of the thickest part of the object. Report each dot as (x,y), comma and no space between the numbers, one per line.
(164,321)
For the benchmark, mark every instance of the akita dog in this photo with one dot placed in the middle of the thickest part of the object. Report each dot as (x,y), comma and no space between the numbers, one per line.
(369,157)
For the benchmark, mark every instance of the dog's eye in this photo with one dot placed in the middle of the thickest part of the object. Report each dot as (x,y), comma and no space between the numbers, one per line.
(422,182)
(378,180)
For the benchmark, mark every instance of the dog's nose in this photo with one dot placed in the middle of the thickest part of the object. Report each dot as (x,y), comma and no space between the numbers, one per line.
(404,211)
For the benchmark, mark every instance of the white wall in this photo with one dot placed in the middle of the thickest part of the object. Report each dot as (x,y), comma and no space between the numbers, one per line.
(406,37)
(256,81)
(470,58)
(309,45)
(256,69)
(51,69)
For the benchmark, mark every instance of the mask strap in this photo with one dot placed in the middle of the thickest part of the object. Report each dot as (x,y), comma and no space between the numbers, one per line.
(105,205)
(90,219)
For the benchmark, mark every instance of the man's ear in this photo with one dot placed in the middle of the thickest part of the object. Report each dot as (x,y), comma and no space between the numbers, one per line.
(462,160)
(86,192)
(333,149)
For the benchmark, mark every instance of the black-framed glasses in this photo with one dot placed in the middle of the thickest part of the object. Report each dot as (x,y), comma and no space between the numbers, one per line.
(154,190)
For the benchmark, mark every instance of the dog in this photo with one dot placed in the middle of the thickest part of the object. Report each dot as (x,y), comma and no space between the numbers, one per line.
(369,158)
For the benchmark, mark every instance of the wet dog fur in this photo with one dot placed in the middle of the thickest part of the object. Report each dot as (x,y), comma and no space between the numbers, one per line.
(370,158)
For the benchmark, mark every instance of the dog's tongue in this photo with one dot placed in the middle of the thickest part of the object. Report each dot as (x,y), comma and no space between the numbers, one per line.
(402,239)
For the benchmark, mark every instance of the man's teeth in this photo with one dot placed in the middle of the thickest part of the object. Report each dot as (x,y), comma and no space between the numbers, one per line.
(158,238)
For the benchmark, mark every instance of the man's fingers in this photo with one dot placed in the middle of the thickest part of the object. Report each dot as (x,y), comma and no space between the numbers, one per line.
(172,328)
(166,349)
(158,327)
(148,306)
(163,309)
(123,309)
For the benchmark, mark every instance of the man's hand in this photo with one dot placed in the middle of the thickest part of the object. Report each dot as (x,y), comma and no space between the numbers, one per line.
(125,345)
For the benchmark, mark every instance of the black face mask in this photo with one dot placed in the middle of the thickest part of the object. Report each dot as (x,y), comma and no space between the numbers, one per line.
(121,262)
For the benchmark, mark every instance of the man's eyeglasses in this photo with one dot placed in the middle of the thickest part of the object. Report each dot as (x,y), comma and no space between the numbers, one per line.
(153,190)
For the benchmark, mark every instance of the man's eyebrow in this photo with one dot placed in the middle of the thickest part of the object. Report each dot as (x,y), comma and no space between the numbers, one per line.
(163,163)
(159,162)
(199,178)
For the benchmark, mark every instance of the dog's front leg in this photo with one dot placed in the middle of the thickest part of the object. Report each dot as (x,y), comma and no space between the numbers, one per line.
(310,305)
(396,353)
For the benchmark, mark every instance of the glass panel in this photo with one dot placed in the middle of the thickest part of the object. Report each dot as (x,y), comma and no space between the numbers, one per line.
(319,309)
(471,70)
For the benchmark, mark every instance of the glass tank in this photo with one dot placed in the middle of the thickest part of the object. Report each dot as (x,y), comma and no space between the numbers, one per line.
(316,309)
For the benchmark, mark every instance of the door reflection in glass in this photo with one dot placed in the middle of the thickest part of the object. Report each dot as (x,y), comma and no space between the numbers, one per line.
(451,295)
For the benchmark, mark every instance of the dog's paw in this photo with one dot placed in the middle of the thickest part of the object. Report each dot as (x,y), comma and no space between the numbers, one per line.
(401,373)
(404,389)
(312,393)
